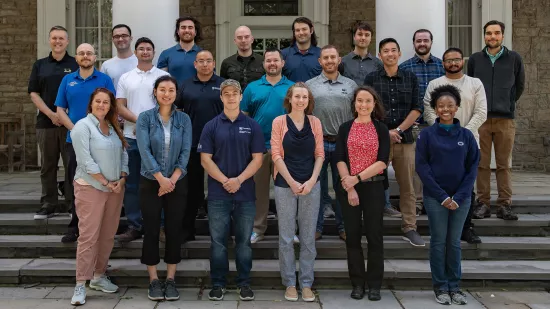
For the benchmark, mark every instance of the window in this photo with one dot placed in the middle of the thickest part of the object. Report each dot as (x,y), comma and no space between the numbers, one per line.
(271,8)
(260,45)
(93,23)
(463,26)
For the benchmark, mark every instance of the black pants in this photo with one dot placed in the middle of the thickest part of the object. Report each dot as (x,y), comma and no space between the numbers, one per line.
(52,145)
(69,189)
(371,209)
(195,198)
(468,223)
(152,205)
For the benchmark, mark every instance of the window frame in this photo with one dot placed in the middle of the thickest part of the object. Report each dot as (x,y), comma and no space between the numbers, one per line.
(476,37)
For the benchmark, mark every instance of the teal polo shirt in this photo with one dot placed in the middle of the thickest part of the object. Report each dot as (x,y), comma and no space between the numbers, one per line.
(264,102)
(495,57)
(74,93)
(180,63)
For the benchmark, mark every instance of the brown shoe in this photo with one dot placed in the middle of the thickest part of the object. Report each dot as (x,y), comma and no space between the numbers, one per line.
(505,212)
(129,235)
(307,295)
(318,236)
(482,211)
(342,235)
(162,235)
(291,294)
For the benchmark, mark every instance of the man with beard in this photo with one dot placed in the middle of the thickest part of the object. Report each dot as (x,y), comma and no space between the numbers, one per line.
(301,58)
(74,95)
(245,66)
(472,112)
(502,73)
(263,101)
(333,94)
(179,60)
(125,60)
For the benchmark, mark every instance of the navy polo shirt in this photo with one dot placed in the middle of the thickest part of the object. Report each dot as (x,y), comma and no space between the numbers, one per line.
(74,93)
(201,101)
(301,67)
(180,63)
(231,145)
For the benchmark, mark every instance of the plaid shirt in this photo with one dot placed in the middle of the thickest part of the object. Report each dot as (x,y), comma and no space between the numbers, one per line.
(399,94)
(424,71)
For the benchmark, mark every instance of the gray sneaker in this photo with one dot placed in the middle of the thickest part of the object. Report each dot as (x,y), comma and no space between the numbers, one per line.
(391,212)
(458,298)
(414,238)
(442,297)
(79,296)
(328,213)
(103,284)
(170,291)
(156,291)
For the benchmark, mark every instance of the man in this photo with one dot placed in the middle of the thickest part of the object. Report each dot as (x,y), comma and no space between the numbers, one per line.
(263,101)
(502,73)
(134,97)
(301,58)
(44,81)
(472,112)
(199,97)
(179,60)
(333,94)
(125,60)
(398,90)
(74,95)
(245,66)
(231,147)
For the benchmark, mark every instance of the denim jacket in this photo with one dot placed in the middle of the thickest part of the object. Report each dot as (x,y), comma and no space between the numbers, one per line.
(150,141)
(97,153)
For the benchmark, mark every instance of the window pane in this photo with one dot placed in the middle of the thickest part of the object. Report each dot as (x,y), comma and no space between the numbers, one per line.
(459,12)
(271,8)
(86,13)
(87,36)
(106,49)
(106,13)
(271,43)
(461,37)
(258,44)
(285,43)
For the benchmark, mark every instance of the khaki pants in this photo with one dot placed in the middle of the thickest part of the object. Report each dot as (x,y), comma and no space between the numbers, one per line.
(402,157)
(262,180)
(501,133)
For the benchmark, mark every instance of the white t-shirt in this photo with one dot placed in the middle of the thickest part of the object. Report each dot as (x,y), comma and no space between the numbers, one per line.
(136,87)
(115,67)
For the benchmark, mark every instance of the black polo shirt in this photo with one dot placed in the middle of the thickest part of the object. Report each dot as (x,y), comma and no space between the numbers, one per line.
(45,79)
(201,101)
(243,69)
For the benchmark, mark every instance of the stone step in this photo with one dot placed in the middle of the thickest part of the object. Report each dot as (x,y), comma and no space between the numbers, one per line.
(329,247)
(527,225)
(266,273)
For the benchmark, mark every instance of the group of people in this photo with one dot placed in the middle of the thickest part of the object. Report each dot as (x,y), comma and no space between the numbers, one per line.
(137,136)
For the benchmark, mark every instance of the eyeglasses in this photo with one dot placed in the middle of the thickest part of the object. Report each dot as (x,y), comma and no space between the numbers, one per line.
(143,49)
(121,36)
(82,54)
(453,61)
(203,62)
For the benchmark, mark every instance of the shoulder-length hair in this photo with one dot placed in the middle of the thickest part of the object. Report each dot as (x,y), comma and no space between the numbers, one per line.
(310,102)
(198,28)
(304,20)
(378,112)
(112,114)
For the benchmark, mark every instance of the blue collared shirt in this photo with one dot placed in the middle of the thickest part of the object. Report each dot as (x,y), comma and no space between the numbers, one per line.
(97,153)
(74,93)
(301,67)
(179,62)
(424,71)
(150,141)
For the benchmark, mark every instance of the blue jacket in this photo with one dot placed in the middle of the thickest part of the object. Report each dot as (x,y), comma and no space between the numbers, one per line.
(150,141)
(446,162)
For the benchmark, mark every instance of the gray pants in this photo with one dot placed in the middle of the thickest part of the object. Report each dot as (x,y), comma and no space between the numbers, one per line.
(305,208)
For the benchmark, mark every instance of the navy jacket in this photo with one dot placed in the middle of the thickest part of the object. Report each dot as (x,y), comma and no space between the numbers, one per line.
(446,162)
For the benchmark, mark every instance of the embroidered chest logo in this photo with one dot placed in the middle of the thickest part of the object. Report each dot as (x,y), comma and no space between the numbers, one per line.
(73,84)
(344,91)
(67,70)
(460,143)
(216,88)
(245,130)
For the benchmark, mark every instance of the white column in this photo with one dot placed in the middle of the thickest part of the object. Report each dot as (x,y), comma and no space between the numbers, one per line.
(153,19)
(400,19)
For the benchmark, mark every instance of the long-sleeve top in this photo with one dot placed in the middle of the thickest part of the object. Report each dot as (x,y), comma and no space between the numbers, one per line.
(97,153)
(472,112)
(446,162)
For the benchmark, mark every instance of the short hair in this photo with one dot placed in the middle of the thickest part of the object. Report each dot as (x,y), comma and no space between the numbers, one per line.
(329,46)
(122,26)
(143,40)
(310,101)
(230,83)
(423,30)
(378,113)
(453,49)
(58,28)
(304,20)
(198,30)
(444,90)
(363,25)
(273,50)
(494,22)
(386,41)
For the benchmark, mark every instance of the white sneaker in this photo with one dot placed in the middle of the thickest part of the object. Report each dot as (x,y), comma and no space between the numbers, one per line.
(255,237)
(296,239)
(79,296)
(103,284)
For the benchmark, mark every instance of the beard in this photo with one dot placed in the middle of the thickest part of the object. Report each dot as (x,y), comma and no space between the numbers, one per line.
(273,73)
(87,66)
(454,70)
(422,53)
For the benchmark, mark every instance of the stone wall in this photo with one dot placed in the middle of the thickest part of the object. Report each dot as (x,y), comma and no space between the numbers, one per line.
(345,13)
(531,38)
(17,54)
(203,10)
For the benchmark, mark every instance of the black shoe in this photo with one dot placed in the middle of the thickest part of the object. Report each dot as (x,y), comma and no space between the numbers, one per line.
(156,291)
(358,292)
(44,213)
(470,236)
(69,237)
(216,293)
(374,295)
(506,213)
(129,235)
(246,293)
(170,291)
(201,213)
(482,211)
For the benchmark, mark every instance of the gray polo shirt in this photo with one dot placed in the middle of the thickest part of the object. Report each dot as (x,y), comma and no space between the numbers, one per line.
(356,68)
(332,101)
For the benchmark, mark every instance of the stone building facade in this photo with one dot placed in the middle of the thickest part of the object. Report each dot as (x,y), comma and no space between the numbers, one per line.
(530,37)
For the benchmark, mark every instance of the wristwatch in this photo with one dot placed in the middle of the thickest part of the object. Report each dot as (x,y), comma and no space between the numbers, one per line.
(359,177)
(398,130)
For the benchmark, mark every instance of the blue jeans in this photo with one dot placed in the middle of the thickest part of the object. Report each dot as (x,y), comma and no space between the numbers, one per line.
(219,218)
(387,204)
(330,148)
(445,253)
(131,197)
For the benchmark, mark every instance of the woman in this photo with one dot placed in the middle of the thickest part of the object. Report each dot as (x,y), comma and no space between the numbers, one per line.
(446,161)
(362,152)
(102,167)
(164,141)
(298,154)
